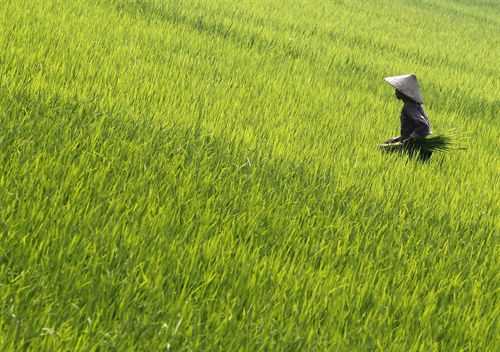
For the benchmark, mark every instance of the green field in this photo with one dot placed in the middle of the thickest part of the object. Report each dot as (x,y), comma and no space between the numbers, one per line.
(204,175)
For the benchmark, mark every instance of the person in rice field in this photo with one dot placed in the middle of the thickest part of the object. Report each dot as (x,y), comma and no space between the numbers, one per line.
(415,124)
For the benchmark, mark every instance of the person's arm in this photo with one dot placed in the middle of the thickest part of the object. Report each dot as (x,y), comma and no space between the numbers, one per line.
(393,140)
(420,121)
(413,137)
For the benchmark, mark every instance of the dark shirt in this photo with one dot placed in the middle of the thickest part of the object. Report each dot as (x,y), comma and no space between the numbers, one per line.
(414,120)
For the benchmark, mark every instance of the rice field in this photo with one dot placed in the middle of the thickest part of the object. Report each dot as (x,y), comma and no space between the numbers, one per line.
(204,175)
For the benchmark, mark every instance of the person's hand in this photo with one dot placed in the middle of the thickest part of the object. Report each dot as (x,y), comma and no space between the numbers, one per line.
(412,138)
(407,141)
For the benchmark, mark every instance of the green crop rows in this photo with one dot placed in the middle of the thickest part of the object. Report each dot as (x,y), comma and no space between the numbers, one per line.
(204,175)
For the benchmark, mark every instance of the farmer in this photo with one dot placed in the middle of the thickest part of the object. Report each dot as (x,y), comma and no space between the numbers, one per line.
(414,122)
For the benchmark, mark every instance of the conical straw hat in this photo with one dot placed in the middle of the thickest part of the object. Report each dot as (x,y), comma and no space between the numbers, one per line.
(408,85)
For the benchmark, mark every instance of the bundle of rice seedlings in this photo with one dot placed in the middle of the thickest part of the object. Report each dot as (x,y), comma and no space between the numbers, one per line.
(432,143)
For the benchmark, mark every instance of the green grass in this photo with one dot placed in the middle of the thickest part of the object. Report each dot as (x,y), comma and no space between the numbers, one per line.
(204,175)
